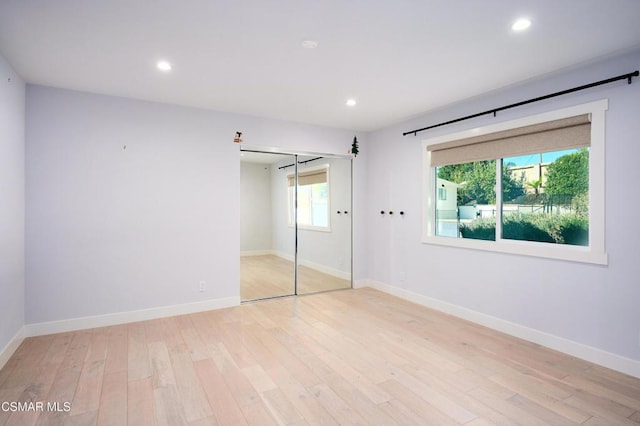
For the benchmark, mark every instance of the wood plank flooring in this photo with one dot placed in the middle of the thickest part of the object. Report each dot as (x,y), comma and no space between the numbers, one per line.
(347,357)
(272,276)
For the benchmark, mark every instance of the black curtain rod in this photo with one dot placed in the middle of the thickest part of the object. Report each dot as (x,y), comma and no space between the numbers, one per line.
(541,98)
(299,162)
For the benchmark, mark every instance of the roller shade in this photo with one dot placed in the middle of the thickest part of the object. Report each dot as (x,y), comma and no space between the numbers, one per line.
(309,178)
(556,135)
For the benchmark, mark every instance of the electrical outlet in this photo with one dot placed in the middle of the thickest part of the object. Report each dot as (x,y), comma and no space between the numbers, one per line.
(201,286)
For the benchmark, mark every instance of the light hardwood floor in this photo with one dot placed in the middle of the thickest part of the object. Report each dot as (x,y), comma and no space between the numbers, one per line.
(347,357)
(272,276)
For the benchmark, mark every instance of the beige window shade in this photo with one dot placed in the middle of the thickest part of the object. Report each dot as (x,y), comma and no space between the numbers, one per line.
(557,135)
(309,178)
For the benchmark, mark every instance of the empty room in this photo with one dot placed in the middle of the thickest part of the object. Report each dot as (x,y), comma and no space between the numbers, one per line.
(319,212)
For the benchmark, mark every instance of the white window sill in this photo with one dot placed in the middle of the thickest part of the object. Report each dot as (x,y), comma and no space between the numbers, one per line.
(525,248)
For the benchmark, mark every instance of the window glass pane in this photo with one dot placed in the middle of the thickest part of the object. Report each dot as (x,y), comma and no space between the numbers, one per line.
(466,200)
(319,204)
(313,205)
(304,205)
(546,197)
(442,193)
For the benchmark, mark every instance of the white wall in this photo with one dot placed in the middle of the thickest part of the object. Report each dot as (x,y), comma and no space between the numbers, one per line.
(596,306)
(255,207)
(12,141)
(331,250)
(110,229)
(283,235)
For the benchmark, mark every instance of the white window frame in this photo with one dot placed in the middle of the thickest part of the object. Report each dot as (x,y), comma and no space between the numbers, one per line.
(594,253)
(290,209)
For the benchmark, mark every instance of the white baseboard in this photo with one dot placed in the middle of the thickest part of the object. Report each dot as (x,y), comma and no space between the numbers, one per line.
(570,347)
(316,266)
(11,347)
(362,283)
(83,323)
(286,256)
(256,252)
(325,269)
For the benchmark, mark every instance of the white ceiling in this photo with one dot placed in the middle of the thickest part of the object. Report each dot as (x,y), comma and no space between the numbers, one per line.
(398,58)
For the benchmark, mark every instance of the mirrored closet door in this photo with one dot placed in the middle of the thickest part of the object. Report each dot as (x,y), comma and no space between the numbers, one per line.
(324,224)
(267,239)
(295,224)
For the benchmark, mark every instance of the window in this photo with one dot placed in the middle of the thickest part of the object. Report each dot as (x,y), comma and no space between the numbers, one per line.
(442,193)
(474,203)
(313,198)
(546,198)
(534,186)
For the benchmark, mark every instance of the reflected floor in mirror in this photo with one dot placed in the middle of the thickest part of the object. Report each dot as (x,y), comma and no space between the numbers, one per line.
(272,276)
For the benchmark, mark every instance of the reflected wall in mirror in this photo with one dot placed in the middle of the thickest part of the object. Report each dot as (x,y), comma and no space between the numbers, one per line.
(288,222)
(324,224)
(267,245)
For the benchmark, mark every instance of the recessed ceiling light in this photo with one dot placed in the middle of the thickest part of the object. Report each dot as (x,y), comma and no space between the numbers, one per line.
(309,44)
(521,24)
(351,102)
(164,66)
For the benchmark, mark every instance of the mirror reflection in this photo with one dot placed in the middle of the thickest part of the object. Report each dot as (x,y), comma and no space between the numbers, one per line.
(290,220)
(267,244)
(324,224)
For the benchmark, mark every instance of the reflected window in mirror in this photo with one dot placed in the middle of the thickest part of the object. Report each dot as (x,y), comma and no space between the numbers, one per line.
(313,198)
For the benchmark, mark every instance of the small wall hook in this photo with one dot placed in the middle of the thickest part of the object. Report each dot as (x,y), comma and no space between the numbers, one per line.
(381,211)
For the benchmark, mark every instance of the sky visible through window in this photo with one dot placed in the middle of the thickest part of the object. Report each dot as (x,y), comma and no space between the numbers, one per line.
(547,157)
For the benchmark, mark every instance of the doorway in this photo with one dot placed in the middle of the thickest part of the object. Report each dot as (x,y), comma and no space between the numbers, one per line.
(295,223)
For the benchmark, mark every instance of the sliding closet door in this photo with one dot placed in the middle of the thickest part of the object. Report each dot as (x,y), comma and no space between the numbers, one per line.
(267,225)
(324,224)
